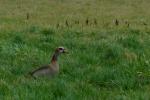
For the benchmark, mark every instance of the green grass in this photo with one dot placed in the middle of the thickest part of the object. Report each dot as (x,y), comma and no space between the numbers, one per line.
(105,62)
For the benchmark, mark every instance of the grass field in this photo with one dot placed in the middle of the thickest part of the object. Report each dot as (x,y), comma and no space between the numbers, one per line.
(107,60)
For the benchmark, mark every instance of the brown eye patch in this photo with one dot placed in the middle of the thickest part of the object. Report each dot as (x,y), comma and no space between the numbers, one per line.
(60,48)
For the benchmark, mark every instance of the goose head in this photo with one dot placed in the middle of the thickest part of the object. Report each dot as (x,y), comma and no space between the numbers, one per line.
(60,50)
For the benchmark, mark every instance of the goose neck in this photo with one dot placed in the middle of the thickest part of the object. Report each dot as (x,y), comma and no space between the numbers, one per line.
(55,57)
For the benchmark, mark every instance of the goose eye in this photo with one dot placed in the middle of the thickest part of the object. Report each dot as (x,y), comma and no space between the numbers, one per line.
(60,48)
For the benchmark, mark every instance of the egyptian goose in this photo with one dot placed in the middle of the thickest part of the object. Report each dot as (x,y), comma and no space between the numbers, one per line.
(51,69)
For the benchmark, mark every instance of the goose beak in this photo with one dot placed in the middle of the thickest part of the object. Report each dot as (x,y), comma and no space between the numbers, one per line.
(65,51)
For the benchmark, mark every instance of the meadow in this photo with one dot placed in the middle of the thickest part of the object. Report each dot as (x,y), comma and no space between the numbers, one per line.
(108,43)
